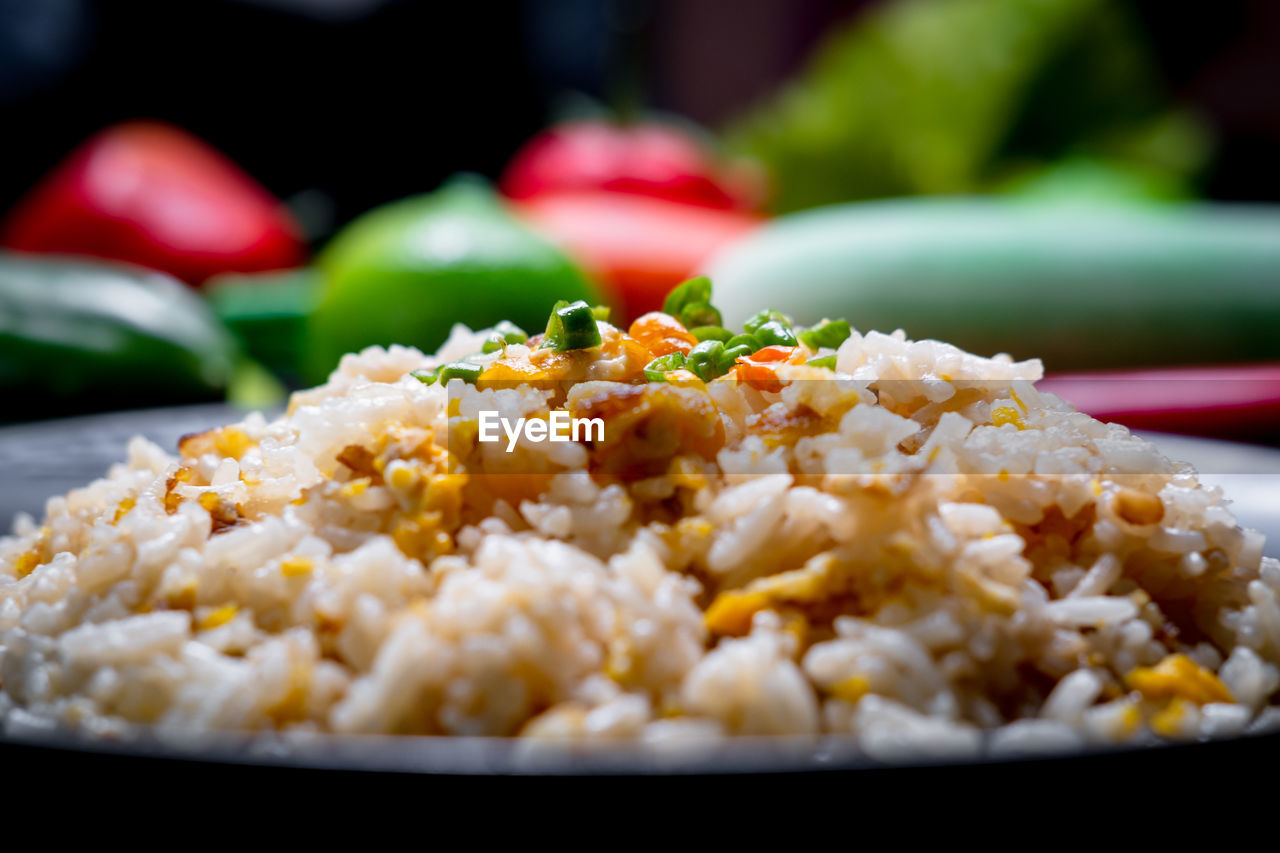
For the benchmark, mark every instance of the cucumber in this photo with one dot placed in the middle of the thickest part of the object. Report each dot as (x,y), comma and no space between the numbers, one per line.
(1076,285)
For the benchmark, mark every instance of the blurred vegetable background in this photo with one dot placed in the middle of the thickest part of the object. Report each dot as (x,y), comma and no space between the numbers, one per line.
(218,198)
(971,96)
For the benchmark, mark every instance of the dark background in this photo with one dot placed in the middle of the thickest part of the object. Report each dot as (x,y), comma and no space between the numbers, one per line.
(339,105)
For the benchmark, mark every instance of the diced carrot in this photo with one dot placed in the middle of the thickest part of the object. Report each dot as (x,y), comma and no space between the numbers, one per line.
(662,334)
(770,354)
(759,369)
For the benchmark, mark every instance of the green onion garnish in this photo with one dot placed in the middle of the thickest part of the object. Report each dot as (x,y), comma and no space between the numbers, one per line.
(827,361)
(467,371)
(503,334)
(691,292)
(704,360)
(699,314)
(828,333)
(759,318)
(572,326)
(554,326)
(730,356)
(657,370)
(774,333)
(711,333)
(511,333)
(426,375)
(601,312)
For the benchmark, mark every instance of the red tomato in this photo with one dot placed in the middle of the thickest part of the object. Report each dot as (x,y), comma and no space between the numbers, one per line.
(638,248)
(645,159)
(154,195)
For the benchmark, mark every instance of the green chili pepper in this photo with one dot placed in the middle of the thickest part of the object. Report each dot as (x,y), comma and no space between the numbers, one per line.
(711,333)
(79,336)
(827,361)
(572,326)
(268,312)
(758,319)
(704,360)
(493,343)
(774,333)
(467,371)
(743,341)
(406,271)
(828,333)
(657,370)
(691,292)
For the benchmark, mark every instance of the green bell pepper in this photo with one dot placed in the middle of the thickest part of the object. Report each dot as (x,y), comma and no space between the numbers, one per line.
(79,336)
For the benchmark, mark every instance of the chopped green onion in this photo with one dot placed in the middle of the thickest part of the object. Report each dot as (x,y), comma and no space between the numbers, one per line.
(711,333)
(572,326)
(730,357)
(503,334)
(774,333)
(699,314)
(657,370)
(691,292)
(704,360)
(426,375)
(827,361)
(467,371)
(555,329)
(580,329)
(600,312)
(511,333)
(828,333)
(743,341)
(759,318)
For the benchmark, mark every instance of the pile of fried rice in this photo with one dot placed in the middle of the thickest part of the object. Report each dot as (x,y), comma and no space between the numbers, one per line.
(917,549)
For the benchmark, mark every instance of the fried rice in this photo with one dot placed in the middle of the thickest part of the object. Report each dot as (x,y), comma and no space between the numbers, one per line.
(916,549)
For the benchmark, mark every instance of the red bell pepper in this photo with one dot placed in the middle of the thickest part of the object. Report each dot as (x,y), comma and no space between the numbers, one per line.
(154,195)
(662,161)
(638,248)
(1239,401)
